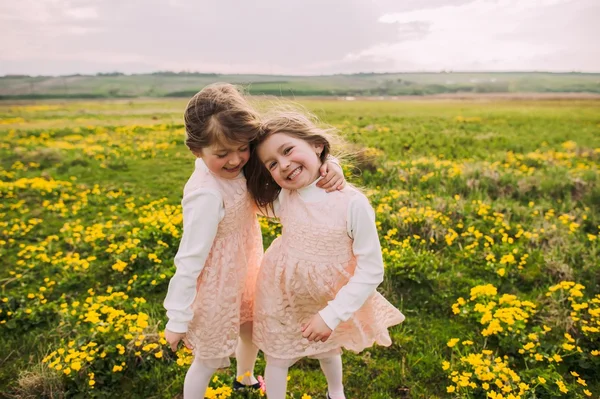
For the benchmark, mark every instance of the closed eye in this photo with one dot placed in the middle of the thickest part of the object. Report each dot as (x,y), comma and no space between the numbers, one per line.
(287,150)
(271,165)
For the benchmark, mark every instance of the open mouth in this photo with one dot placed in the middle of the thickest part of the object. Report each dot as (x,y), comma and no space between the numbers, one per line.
(294,173)
(231,170)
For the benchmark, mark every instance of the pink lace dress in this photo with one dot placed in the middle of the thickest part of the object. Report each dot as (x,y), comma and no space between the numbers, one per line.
(303,270)
(225,287)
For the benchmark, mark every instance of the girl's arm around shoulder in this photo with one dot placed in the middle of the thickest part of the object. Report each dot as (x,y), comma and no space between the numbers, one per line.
(202,212)
(332,175)
(368,275)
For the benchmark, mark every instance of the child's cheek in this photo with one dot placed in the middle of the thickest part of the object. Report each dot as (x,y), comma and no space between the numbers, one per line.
(276,176)
(245,155)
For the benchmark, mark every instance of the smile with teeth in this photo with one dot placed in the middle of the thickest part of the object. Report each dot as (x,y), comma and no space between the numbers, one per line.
(294,173)
(232,169)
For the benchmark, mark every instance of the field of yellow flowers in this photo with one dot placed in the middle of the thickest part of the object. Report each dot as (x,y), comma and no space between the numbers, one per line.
(489,220)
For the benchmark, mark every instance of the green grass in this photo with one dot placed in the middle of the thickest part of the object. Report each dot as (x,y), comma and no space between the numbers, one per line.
(430,168)
(387,84)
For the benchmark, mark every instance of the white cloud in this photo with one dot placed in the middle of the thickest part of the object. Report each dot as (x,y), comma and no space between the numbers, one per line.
(297,36)
(27,12)
(82,13)
(496,35)
(79,30)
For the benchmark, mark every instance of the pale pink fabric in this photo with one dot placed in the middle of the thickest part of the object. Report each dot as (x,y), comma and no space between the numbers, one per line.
(225,287)
(303,270)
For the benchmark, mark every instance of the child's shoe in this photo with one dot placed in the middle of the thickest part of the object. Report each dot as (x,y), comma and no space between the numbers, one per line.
(237,386)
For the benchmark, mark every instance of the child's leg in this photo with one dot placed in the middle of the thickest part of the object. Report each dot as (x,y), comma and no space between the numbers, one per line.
(276,379)
(245,354)
(197,379)
(332,368)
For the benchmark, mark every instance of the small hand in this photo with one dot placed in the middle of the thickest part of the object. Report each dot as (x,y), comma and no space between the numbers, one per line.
(316,329)
(333,177)
(173,339)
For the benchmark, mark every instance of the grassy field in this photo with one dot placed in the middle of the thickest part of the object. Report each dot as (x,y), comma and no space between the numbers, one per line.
(367,84)
(489,217)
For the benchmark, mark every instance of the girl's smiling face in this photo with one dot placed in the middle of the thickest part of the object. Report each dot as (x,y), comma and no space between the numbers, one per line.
(292,162)
(225,160)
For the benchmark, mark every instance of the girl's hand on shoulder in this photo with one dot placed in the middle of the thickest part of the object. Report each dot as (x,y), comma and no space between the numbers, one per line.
(173,339)
(333,176)
(316,329)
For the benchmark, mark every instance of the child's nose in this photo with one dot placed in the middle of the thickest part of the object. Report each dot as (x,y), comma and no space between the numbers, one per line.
(234,160)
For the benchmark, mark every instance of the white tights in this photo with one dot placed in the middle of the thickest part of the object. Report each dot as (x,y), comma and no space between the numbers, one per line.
(276,378)
(246,353)
(197,379)
(201,371)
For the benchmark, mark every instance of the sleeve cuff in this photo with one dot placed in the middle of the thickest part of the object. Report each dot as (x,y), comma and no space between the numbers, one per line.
(330,317)
(177,326)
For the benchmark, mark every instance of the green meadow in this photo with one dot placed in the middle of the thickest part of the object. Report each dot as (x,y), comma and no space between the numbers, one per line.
(489,221)
(185,84)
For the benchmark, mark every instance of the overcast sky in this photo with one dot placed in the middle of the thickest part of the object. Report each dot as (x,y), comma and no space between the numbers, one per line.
(54,37)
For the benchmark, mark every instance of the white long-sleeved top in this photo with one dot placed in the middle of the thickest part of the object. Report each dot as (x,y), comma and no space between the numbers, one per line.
(361,227)
(203,210)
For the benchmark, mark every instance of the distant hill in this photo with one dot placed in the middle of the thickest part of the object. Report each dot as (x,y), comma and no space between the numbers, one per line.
(171,84)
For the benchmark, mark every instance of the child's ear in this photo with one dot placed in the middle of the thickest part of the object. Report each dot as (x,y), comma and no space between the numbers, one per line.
(319,148)
(197,153)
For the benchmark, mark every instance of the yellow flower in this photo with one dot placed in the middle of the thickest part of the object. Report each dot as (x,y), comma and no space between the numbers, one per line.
(452,342)
(305,396)
(557,358)
(542,380)
(119,266)
(587,393)
(561,386)
(445,365)
(569,337)
(450,389)
(539,357)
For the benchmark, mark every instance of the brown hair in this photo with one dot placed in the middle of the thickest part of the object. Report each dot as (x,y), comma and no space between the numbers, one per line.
(297,124)
(219,113)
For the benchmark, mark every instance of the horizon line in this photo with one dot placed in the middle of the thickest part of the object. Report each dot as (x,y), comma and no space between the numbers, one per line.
(184,72)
